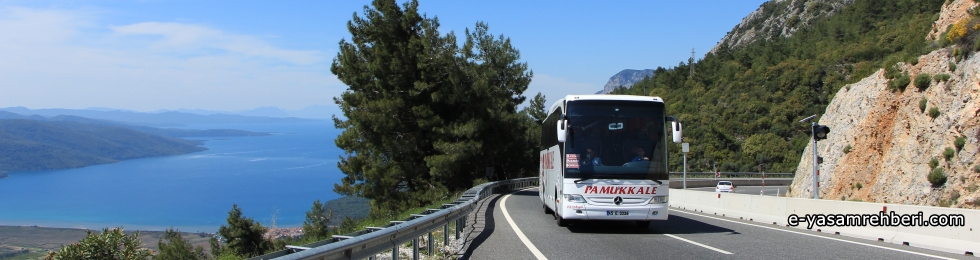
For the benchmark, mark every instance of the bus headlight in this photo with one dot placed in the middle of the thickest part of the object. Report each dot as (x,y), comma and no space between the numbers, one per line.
(574,198)
(659,199)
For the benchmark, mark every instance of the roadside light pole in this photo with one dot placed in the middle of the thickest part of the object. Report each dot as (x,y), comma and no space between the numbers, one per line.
(817,132)
(684,149)
(816,167)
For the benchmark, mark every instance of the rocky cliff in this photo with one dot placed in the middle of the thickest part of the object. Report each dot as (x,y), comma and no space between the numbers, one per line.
(626,79)
(882,141)
(779,18)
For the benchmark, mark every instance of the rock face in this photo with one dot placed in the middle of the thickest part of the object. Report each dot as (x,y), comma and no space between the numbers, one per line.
(626,79)
(892,139)
(779,18)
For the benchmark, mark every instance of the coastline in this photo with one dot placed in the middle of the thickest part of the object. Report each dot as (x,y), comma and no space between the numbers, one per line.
(42,239)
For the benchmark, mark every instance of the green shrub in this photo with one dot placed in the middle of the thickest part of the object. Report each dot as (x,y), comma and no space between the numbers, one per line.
(922,104)
(952,66)
(976,169)
(934,112)
(976,44)
(922,81)
(959,143)
(942,77)
(899,83)
(847,149)
(933,163)
(944,39)
(859,186)
(937,177)
(948,153)
(110,244)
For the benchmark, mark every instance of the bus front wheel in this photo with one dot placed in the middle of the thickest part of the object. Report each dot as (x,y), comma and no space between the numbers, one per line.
(561,221)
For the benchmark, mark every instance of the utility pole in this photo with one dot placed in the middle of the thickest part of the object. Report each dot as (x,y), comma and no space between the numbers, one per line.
(691,62)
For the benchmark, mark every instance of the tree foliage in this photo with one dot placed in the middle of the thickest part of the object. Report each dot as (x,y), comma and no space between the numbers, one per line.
(111,244)
(537,110)
(243,236)
(742,102)
(317,224)
(425,116)
(178,248)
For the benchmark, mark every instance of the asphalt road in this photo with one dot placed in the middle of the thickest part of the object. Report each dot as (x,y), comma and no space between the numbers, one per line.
(751,190)
(686,235)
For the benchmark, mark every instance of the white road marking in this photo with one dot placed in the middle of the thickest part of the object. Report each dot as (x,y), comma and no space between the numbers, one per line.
(812,235)
(699,244)
(527,242)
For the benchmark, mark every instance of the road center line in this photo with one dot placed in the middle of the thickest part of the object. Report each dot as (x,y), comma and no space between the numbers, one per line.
(699,244)
(812,235)
(527,242)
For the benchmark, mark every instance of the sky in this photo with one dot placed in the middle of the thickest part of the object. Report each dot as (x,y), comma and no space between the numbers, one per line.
(235,55)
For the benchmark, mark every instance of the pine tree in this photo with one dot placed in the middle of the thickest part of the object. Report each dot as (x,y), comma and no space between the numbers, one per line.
(243,236)
(537,110)
(424,116)
(317,221)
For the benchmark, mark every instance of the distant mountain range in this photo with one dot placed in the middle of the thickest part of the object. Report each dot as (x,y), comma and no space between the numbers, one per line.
(168,118)
(625,79)
(310,112)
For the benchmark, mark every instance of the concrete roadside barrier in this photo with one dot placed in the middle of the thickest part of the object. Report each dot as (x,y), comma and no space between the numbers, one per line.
(839,218)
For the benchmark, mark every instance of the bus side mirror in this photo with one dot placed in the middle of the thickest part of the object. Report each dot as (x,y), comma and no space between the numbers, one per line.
(676,131)
(561,131)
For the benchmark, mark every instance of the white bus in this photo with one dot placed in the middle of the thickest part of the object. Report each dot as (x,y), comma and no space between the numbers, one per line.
(604,157)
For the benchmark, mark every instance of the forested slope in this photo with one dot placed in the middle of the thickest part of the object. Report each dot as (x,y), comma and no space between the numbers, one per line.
(28,145)
(741,106)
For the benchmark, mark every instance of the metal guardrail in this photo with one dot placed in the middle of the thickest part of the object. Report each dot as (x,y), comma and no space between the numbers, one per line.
(374,240)
(691,175)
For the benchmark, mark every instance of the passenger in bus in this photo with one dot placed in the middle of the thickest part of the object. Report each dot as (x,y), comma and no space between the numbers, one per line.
(640,155)
(592,157)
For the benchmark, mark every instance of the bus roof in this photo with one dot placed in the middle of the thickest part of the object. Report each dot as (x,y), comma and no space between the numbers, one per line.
(603,97)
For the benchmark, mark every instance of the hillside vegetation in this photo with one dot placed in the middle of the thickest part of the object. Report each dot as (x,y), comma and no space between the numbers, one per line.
(741,106)
(30,145)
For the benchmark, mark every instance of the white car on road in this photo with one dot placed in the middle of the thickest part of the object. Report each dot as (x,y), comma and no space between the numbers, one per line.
(725,186)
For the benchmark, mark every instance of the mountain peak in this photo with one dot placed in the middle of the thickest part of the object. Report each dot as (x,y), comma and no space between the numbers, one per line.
(779,18)
(626,79)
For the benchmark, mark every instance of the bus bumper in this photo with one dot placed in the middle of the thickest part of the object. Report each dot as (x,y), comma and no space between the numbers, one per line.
(584,211)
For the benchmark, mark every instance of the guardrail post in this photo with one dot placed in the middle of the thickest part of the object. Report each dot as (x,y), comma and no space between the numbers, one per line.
(445,235)
(415,248)
(430,244)
(457,228)
(394,252)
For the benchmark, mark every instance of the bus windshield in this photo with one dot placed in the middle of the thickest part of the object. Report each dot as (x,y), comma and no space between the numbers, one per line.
(616,140)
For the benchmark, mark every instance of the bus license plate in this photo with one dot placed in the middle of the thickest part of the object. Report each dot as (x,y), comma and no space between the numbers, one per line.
(617,213)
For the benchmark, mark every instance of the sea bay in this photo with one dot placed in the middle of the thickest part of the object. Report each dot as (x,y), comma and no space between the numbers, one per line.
(269,177)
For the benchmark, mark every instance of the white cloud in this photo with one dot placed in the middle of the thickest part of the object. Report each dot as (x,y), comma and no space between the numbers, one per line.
(182,37)
(65,58)
(555,88)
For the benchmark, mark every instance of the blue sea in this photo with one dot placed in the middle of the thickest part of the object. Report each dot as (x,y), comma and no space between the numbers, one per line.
(269,177)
